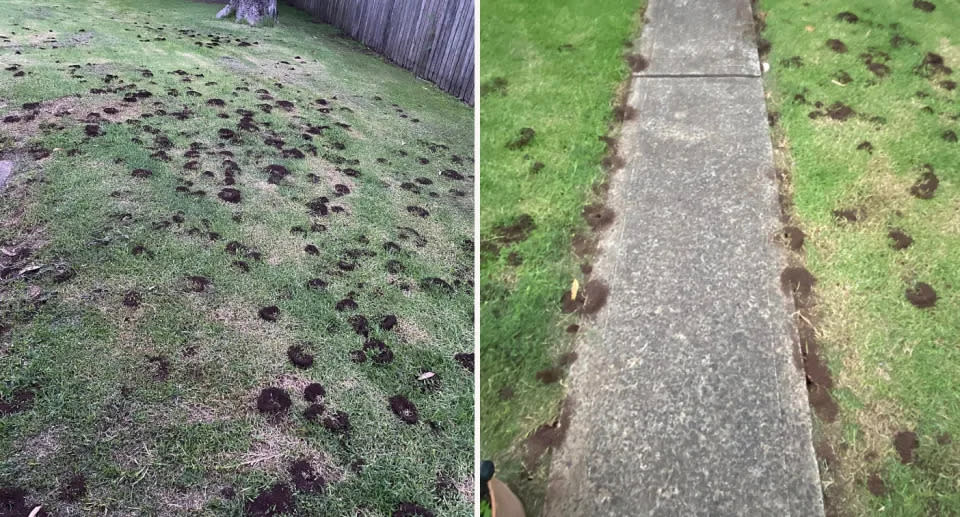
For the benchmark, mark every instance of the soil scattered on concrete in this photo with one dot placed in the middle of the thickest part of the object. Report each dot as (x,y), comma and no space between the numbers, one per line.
(596,293)
(598,216)
(547,437)
(922,295)
(906,442)
(637,62)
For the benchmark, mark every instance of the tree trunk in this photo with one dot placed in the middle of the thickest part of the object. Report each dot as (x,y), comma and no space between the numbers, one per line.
(251,11)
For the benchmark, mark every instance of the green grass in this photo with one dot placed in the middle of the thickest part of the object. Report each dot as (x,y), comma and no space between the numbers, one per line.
(149,444)
(562,63)
(895,367)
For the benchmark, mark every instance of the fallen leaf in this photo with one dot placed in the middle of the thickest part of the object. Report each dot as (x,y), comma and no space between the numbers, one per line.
(424,376)
(574,288)
(810,28)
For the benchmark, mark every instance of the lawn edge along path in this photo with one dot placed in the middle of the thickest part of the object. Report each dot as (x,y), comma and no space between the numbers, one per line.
(689,398)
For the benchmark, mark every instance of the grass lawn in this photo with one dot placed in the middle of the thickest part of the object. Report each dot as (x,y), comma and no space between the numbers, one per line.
(193,200)
(553,67)
(863,123)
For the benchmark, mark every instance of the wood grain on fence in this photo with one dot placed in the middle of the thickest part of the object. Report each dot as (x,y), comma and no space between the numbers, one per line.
(431,38)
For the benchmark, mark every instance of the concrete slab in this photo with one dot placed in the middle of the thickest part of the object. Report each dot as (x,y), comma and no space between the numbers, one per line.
(687,400)
(6,170)
(699,37)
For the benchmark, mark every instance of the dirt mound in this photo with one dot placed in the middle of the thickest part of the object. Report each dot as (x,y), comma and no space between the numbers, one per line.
(271,313)
(273,400)
(314,392)
(900,239)
(299,357)
(922,295)
(73,488)
(465,359)
(404,409)
(304,478)
(926,185)
(141,173)
(230,195)
(598,216)
(924,6)
(906,442)
(516,231)
(797,280)
(823,404)
(876,485)
(526,135)
(388,322)
(836,46)
(848,17)
(276,500)
(338,422)
(794,237)
(411,510)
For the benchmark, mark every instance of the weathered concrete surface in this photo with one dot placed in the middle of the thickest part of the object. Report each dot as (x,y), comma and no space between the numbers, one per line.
(699,37)
(687,399)
(6,170)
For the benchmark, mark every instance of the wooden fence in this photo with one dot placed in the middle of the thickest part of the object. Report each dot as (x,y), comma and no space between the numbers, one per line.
(431,38)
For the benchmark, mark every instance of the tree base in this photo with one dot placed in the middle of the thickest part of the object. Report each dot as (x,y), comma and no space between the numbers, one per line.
(250,11)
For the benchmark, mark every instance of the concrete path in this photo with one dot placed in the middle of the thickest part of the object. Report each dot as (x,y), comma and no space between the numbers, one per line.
(687,398)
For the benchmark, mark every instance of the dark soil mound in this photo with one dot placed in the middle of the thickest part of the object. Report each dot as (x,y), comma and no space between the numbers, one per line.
(451,174)
(314,392)
(311,249)
(850,215)
(637,62)
(418,211)
(271,313)
(198,283)
(906,442)
(313,412)
(549,375)
(346,304)
(299,358)
(132,299)
(595,294)
(823,404)
(598,216)
(926,185)
(836,46)
(797,280)
(840,111)
(876,485)
(304,478)
(526,135)
(848,17)
(381,353)
(273,401)
(226,134)
(404,409)
(74,488)
(949,136)
(922,295)
(230,195)
(411,510)
(465,359)
(359,324)
(436,284)
(13,503)
(923,5)
(388,322)
(141,173)
(275,500)
(516,231)
(900,239)
(337,422)
(794,237)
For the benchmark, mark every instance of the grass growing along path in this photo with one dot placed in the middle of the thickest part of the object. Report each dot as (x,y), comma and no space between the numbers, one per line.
(868,109)
(176,177)
(552,67)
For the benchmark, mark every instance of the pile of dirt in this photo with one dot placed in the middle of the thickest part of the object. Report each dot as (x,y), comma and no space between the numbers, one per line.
(922,295)
(276,500)
(273,401)
(404,409)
